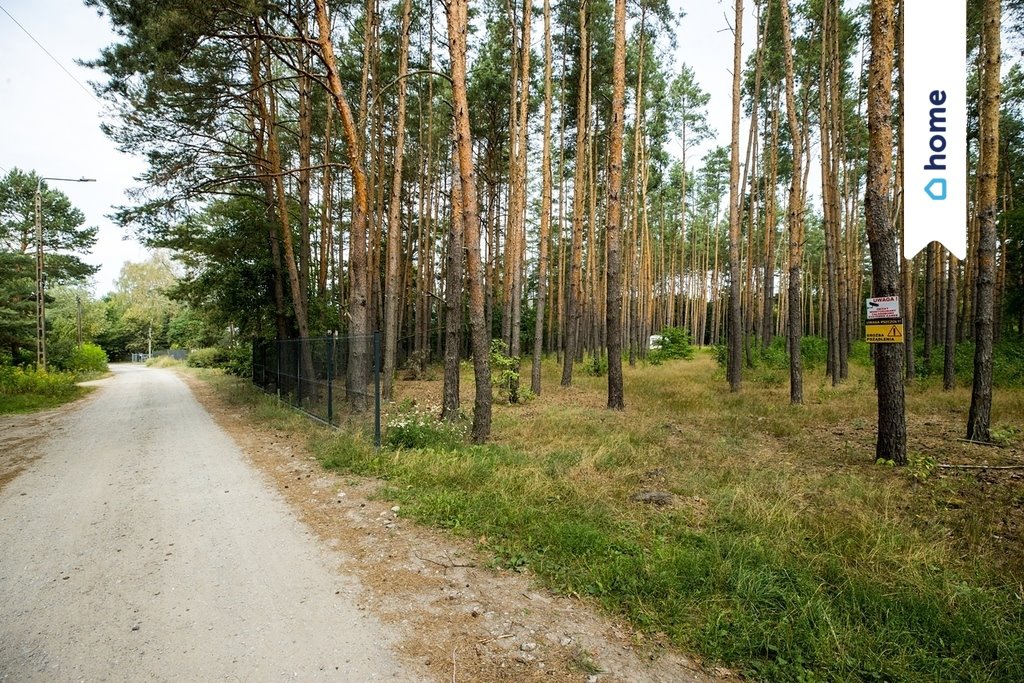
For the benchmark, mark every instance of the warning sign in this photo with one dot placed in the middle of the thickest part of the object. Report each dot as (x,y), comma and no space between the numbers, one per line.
(887,333)
(883,307)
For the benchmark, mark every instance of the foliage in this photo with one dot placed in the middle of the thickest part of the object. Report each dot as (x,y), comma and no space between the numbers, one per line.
(211,357)
(87,358)
(813,351)
(14,381)
(189,330)
(1007,362)
(17,302)
(239,362)
(595,365)
(24,390)
(504,368)
(675,343)
(63,234)
(63,238)
(413,427)
(235,360)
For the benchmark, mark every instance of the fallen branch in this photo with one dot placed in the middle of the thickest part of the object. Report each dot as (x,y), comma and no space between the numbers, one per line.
(948,466)
(451,563)
(990,444)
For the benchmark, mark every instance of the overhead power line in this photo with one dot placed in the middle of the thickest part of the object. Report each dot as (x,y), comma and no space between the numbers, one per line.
(54,59)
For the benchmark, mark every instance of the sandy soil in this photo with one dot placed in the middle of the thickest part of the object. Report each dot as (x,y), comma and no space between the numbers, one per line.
(144,540)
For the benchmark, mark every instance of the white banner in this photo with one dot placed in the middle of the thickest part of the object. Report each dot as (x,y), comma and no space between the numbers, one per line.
(935,125)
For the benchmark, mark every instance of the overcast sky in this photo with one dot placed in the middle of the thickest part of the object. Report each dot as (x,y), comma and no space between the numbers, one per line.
(51,123)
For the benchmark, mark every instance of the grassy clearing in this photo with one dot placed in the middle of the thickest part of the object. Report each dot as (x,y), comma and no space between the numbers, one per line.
(786,551)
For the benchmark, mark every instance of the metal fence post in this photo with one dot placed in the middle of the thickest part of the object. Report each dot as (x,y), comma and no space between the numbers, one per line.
(330,378)
(376,389)
(277,367)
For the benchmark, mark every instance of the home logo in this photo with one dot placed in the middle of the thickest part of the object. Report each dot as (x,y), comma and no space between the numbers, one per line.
(935,125)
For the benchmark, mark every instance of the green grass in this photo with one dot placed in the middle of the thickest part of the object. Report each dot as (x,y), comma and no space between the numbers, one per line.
(32,403)
(788,554)
(25,391)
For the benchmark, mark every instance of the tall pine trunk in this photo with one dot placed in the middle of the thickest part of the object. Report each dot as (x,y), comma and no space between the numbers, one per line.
(616,398)
(949,352)
(574,294)
(392,292)
(358,370)
(545,210)
(795,217)
(454,277)
(885,259)
(478,330)
(735,341)
(980,416)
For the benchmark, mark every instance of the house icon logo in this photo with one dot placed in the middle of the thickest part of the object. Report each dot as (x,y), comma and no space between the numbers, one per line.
(936,189)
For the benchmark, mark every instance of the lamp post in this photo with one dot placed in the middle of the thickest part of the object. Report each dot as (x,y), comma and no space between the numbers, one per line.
(40,277)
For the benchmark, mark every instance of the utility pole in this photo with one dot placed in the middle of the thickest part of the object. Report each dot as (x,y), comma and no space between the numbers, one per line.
(40,275)
(40,285)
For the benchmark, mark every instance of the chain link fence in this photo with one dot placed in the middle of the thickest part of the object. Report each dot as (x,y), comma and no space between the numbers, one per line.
(312,374)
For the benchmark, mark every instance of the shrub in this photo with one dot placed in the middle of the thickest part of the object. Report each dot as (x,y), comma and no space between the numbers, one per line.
(235,360)
(88,358)
(813,351)
(504,368)
(675,343)
(211,357)
(721,354)
(19,382)
(596,365)
(239,361)
(421,428)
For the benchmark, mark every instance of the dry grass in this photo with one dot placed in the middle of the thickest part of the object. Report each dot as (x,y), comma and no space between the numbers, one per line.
(785,549)
(795,487)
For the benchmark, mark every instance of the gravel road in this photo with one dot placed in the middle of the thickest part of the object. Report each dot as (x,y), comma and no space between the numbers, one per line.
(140,546)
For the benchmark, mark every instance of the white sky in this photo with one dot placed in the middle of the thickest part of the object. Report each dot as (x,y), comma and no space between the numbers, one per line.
(51,125)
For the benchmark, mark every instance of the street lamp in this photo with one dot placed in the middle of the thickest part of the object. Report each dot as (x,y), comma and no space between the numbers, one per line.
(40,278)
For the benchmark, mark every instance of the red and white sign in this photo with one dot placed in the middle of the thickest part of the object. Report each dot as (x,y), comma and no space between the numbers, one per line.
(883,307)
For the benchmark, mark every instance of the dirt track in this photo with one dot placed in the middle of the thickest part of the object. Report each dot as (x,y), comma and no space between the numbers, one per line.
(139,545)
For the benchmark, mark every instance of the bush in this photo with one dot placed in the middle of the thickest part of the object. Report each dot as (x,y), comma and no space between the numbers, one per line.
(239,362)
(1007,363)
(596,365)
(675,343)
(504,368)
(813,352)
(211,357)
(421,428)
(88,358)
(21,382)
(236,360)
